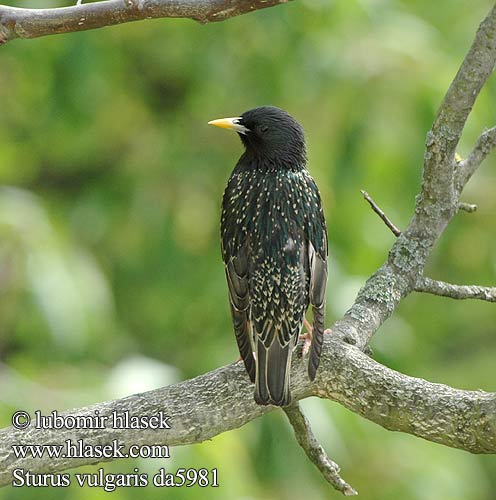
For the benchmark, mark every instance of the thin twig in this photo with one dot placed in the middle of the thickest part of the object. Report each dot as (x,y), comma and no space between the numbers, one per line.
(460,292)
(467,207)
(466,168)
(307,440)
(380,213)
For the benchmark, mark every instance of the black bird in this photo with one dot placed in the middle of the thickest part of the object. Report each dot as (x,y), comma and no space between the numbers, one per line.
(274,247)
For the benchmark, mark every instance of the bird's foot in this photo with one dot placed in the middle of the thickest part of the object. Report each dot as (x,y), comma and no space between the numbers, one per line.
(306,337)
(328,331)
(308,326)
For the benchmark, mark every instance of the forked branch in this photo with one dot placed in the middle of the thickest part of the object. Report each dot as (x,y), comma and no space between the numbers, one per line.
(466,168)
(222,400)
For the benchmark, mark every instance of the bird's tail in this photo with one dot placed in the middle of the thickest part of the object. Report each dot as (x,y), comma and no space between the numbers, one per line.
(241,330)
(272,374)
(317,341)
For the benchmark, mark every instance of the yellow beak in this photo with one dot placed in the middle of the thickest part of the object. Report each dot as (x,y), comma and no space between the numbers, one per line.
(230,123)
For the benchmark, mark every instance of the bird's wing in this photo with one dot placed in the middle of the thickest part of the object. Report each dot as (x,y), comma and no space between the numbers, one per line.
(280,283)
(318,282)
(236,267)
(317,258)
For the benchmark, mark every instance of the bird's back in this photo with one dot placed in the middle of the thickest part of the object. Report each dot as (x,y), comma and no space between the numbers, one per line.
(270,216)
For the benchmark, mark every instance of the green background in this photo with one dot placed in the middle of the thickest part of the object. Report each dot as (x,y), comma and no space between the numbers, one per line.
(111,280)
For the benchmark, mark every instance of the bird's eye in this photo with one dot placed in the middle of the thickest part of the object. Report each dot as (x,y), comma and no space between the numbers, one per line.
(264,129)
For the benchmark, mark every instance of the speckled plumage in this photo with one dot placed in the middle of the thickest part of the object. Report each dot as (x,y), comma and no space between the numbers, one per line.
(274,246)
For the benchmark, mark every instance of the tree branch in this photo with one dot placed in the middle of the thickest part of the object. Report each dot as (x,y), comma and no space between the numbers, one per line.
(222,400)
(380,213)
(460,292)
(466,168)
(443,139)
(314,451)
(32,23)
(467,207)
(438,200)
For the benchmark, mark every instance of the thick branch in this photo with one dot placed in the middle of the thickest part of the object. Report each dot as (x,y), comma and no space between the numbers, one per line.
(466,168)
(442,140)
(222,400)
(32,23)
(460,292)
(315,452)
(437,201)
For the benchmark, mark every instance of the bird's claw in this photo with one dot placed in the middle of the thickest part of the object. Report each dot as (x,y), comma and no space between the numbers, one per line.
(306,346)
(306,337)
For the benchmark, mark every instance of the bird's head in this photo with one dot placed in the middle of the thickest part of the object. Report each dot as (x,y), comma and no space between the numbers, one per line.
(269,134)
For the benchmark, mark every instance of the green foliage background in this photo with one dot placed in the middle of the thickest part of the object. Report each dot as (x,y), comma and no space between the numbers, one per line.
(111,280)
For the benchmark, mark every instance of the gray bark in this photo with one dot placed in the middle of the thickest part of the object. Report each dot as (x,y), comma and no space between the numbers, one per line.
(460,292)
(307,440)
(32,23)
(222,400)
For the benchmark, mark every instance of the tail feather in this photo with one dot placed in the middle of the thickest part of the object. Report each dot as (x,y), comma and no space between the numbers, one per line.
(242,332)
(272,374)
(318,282)
(317,341)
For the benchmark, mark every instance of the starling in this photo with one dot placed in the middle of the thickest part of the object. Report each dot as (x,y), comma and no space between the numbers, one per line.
(274,247)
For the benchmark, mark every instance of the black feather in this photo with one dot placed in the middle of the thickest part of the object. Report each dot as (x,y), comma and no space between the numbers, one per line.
(274,246)
(272,381)
(318,282)
(239,298)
